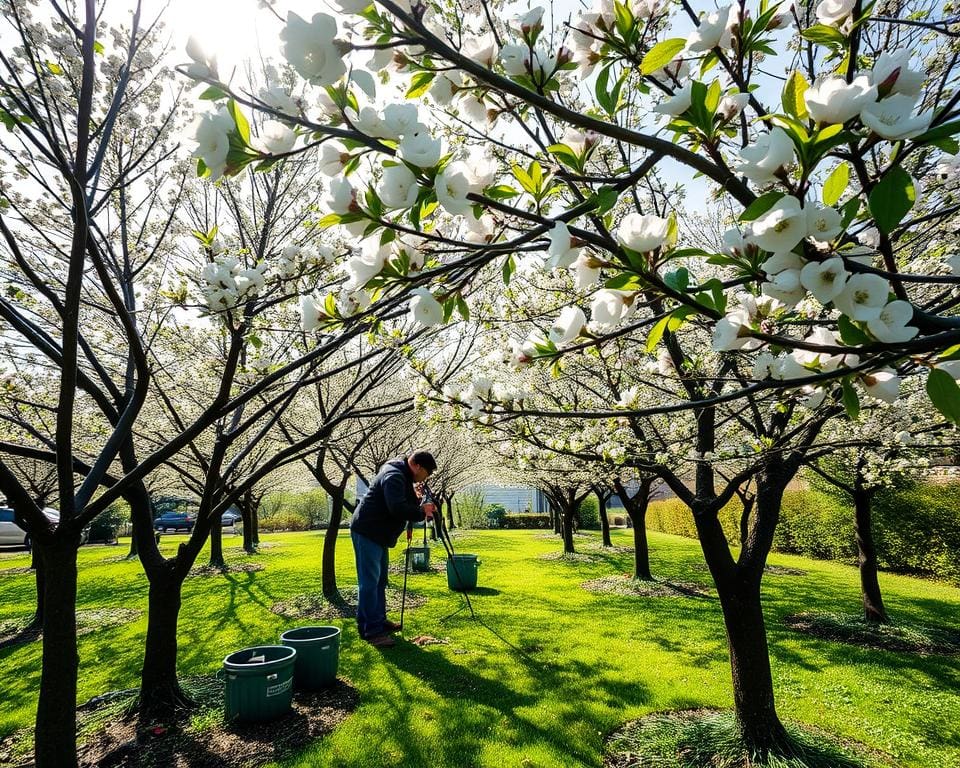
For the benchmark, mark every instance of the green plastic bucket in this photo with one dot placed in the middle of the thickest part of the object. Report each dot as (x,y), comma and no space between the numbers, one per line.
(259,683)
(419,558)
(318,654)
(462,572)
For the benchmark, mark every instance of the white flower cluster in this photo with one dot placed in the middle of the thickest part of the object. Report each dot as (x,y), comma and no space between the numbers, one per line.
(211,132)
(227,283)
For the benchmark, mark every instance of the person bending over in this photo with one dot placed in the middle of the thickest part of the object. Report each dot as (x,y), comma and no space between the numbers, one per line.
(389,505)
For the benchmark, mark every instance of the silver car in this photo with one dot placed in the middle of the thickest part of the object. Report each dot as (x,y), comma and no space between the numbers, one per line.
(11,533)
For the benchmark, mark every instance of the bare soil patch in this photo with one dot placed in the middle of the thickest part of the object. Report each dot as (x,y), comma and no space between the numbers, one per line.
(213,570)
(854,630)
(570,557)
(15,571)
(630,587)
(315,606)
(199,738)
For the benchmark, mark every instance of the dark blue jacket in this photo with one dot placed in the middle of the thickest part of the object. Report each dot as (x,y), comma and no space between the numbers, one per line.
(388,505)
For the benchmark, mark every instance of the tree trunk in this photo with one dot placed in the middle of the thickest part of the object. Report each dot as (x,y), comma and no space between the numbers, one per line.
(255,518)
(216,544)
(873,609)
(134,551)
(636,507)
(567,530)
(328,567)
(756,712)
(55,737)
(160,692)
(246,513)
(450,525)
(604,520)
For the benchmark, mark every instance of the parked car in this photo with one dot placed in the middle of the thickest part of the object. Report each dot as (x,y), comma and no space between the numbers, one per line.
(174,521)
(11,533)
(231,517)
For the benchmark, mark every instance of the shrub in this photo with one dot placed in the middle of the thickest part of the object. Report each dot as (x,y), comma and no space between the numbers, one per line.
(526,521)
(495,514)
(285,520)
(589,513)
(107,524)
(294,510)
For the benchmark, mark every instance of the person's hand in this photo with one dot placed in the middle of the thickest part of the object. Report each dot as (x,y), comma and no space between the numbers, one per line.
(418,490)
(429,508)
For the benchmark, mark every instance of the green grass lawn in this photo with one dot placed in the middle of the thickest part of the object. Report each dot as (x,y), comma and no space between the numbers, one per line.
(546,670)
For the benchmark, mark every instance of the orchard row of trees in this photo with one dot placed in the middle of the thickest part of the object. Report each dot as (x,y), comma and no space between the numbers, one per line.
(436,236)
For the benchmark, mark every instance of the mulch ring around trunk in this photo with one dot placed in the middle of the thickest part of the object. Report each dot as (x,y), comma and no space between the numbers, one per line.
(852,629)
(706,738)
(628,586)
(16,632)
(434,566)
(216,570)
(783,570)
(110,736)
(571,557)
(344,606)
(14,571)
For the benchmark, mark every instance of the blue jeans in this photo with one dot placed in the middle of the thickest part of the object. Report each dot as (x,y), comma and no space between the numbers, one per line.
(372,563)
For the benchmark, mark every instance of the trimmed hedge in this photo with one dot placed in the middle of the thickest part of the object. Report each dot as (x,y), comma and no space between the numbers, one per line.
(916,529)
(526,521)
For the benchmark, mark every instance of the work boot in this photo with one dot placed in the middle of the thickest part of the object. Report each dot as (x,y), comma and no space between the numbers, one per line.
(391,626)
(381,641)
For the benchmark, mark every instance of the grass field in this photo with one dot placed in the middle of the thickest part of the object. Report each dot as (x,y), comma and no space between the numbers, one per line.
(548,668)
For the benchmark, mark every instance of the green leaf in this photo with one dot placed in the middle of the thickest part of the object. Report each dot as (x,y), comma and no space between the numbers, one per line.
(419,84)
(625,281)
(661,54)
(462,308)
(254,341)
(836,184)
(243,127)
(678,280)
(850,334)
(500,192)
(55,69)
(850,210)
(939,132)
(892,198)
(953,353)
(98,47)
(824,35)
(330,220)
(712,99)
(526,181)
(213,93)
(605,198)
(944,394)
(565,155)
(761,205)
(656,333)
(509,266)
(851,401)
(792,95)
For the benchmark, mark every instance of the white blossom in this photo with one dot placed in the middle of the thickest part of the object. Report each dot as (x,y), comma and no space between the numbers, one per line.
(276,138)
(452,186)
(212,135)
(890,326)
(609,307)
(863,297)
(420,148)
(883,385)
(834,100)
(715,30)
(562,254)
(770,154)
(342,197)
(834,12)
(312,49)
(781,227)
(823,221)
(824,279)
(567,326)
(400,119)
(398,187)
(893,118)
(424,308)
(891,73)
(678,103)
(642,232)
(586,271)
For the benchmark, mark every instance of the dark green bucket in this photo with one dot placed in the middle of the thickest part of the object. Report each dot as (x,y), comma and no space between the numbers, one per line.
(318,654)
(462,572)
(419,558)
(258,683)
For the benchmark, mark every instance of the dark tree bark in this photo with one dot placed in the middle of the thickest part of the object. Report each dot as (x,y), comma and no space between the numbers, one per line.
(216,544)
(160,692)
(247,515)
(603,495)
(56,723)
(36,563)
(636,507)
(873,608)
(328,568)
(448,499)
